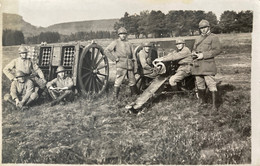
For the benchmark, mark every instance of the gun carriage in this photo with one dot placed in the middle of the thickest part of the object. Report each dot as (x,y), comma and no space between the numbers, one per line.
(160,83)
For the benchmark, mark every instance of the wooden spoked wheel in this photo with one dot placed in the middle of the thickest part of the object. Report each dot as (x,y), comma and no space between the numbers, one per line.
(93,70)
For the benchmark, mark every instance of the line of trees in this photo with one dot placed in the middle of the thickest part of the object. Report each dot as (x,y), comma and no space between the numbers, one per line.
(180,22)
(88,36)
(12,37)
(49,37)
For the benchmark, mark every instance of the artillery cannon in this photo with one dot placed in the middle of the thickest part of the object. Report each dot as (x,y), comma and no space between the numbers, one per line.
(160,82)
(86,65)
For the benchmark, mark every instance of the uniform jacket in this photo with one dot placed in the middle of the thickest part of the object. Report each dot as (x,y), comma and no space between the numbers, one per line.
(209,47)
(24,65)
(145,62)
(122,52)
(61,83)
(21,90)
(183,57)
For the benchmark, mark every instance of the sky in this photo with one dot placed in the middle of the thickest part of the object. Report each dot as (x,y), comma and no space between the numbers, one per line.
(48,12)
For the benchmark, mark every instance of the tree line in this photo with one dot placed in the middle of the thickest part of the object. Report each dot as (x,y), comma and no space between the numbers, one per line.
(183,22)
(154,23)
(11,37)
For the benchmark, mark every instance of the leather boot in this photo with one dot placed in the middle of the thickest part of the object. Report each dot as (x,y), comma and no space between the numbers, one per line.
(116,92)
(202,99)
(214,107)
(134,90)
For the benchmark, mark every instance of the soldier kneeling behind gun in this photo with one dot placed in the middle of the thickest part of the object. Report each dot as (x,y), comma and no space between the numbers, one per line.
(22,91)
(60,88)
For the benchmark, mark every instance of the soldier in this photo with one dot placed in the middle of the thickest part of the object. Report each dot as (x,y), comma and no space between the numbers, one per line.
(184,58)
(22,91)
(60,87)
(24,64)
(146,61)
(204,68)
(121,52)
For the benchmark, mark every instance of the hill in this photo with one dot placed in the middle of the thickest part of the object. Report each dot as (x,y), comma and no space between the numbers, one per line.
(16,22)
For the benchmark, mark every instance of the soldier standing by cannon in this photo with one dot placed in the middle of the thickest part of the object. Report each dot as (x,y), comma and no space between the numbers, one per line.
(121,51)
(22,91)
(204,68)
(60,87)
(30,69)
(184,58)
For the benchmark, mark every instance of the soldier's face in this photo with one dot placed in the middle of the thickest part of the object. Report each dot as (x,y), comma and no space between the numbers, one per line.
(23,55)
(180,46)
(147,49)
(21,79)
(204,30)
(61,74)
(122,36)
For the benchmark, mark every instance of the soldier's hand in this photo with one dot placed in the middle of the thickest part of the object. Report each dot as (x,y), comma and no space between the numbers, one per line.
(44,81)
(200,56)
(52,88)
(20,104)
(14,79)
(117,60)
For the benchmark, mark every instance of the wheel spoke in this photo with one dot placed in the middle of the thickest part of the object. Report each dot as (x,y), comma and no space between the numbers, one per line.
(92,56)
(101,67)
(105,75)
(85,75)
(90,84)
(99,81)
(87,68)
(99,61)
(96,57)
(87,81)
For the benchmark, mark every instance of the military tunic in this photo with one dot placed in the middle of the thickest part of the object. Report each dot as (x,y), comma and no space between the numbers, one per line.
(184,59)
(205,69)
(23,91)
(121,52)
(27,67)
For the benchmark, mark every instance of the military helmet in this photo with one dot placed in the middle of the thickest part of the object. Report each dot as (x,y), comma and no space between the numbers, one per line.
(22,49)
(60,69)
(122,30)
(148,44)
(180,41)
(203,23)
(19,74)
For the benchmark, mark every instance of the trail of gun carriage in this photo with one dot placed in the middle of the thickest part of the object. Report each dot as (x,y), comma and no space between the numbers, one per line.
(159,125)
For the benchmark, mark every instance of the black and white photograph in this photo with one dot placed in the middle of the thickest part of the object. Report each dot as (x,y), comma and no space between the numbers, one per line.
(136,82)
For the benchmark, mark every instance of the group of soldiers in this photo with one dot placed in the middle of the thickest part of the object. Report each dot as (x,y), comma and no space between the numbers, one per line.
(28,82)
(200,62)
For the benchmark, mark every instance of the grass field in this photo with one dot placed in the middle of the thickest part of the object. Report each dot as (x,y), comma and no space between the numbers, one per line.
(171,131)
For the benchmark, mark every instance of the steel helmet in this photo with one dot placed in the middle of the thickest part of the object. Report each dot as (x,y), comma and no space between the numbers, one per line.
(203,23)
(122,30)
(180,41)
(148,44)
(19,74)
(22,49)
(60,69)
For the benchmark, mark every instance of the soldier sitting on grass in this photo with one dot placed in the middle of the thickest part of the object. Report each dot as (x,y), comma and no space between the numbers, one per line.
(30,69)
(60,88)
(22,91)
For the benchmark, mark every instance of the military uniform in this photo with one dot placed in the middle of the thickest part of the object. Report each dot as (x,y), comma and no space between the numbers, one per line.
(23,91)
(184,59)
(125,61)
(205,69)
(58,83)
(122,52)
(27,67)
(146,64)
